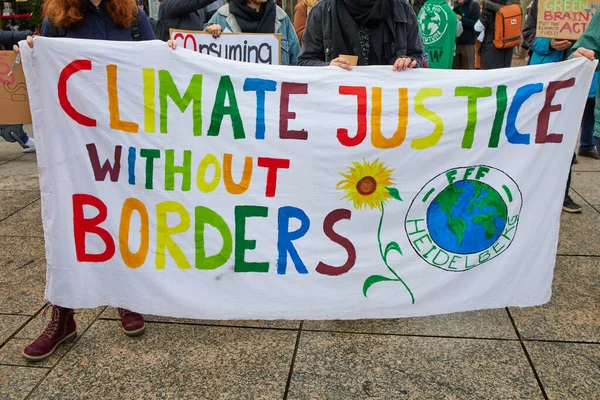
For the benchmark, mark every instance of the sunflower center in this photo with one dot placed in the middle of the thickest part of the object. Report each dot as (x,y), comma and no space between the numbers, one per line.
(366,185)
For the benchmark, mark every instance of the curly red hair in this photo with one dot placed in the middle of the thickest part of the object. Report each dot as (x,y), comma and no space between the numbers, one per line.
(66,13)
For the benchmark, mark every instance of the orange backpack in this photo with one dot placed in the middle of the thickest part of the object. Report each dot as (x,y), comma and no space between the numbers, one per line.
(508,26)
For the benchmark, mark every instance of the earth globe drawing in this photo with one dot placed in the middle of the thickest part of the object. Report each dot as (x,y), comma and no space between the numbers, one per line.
(430,27)
(467,217)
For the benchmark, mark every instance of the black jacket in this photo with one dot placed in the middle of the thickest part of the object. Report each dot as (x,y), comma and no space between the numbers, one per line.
(181,14)
(9,38)
(469,11)
(318,36)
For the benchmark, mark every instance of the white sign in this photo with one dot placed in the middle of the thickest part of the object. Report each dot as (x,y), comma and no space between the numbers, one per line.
(259,48)
(178,184)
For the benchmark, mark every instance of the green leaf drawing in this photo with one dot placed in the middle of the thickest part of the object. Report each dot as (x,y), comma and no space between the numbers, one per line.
(373,279)
(392,246)
(394,193)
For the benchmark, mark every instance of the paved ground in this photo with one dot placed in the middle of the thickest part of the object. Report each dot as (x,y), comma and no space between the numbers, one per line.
(548,352)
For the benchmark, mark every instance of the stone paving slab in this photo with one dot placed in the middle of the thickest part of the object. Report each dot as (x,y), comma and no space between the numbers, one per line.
(173,361)
(567,370)
(13,201)
(355,366)
(587,185)
(27,222)
(477,324)
(587,164)
(9,324)
(579,232)
(20,174)
(17,251)
(17,382)
(22,287)
(573,313)
(111,313)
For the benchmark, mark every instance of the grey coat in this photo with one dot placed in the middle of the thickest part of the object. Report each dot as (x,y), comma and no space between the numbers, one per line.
(318,36)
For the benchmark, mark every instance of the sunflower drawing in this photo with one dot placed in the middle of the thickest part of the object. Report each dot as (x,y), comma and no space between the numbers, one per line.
(368,185)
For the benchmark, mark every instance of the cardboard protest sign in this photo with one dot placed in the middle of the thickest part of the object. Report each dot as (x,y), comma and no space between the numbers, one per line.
(564,19)
(259,48)
(178,184)
(14,100)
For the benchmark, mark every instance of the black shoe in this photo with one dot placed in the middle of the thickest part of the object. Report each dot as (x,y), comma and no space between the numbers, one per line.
(570,206)
(589,153)
(597,143)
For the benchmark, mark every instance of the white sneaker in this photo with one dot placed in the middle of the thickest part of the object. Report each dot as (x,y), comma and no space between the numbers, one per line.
(29,146)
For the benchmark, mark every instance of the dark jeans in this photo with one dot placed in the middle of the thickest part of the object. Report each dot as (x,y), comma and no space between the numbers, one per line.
(586,141)
(569,179)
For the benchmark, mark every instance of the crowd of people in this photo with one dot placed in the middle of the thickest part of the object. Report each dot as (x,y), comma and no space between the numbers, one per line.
(341,33)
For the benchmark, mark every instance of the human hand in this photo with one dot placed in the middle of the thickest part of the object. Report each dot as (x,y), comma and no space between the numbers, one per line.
(172,44)
(403,64)
(559,44)
(459,17)
(583,52)
(342,63)
(29,41)
(215,30)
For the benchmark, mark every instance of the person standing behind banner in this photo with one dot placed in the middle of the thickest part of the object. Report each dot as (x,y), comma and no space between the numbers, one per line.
(379,32)
(301,12)
(546,50)
(491,57)
(118,20)
(189,15)
(588,46)
(467,12)
(438,25)
(257,16)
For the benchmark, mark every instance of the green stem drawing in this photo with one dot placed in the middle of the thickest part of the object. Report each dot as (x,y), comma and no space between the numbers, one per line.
(390,246)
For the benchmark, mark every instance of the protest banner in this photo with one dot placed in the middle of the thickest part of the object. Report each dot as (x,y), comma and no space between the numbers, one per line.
(564,19)
(177,184)
(14,101)
(259,48)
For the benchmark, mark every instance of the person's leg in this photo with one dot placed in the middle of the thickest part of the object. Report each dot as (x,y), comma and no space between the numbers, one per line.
(456,62)
(489,59)
(469,57)
(60,329)
(568,204)
(29,143)
(508,55)
(586,141)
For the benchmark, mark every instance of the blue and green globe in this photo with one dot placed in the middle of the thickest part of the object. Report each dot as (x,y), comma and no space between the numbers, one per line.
(466,217)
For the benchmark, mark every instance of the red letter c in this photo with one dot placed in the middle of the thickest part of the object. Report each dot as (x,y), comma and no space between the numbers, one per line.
(63,98)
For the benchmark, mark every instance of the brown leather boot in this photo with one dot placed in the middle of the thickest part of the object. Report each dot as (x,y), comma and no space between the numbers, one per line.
(132,322)
(61,329)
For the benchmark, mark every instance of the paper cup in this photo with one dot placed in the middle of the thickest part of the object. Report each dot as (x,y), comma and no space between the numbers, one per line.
(353,60)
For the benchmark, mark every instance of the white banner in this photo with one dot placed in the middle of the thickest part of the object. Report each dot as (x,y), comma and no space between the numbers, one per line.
(182,185)
(258,48)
